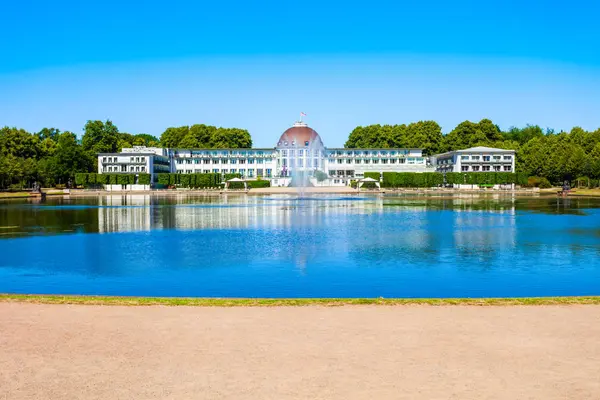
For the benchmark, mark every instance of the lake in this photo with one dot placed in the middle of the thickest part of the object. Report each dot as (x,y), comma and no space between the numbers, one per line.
(285,246)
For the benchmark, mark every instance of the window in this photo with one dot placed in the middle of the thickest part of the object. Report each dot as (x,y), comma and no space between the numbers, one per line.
(215,171)
(292,153)
(476,168)
(283,153)
(357,161)
(497,168)
(143,168)
(375,161)
(464,157)
(103,159)
(306,143)
(348,161)
(339,160)
(508,157)
(496,158)
(316,163)
(131,159)
(216,161)
(486,158)
(464,168)
(179,161)
(476,158)
(300,162)
(233,170)
(269,172)
(224,161)
(131,168)
(260,161)
(188,161)
(300,153)
(233,161)
(143,159)
(507,168)
(197,161)
(367,161)
(393,161)
(259,172)
(251,161)
(250,173)
(384,161)
(485,168)
(242,171)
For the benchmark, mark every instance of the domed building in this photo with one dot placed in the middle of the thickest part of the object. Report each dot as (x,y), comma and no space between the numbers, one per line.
(298,155)
(300,150)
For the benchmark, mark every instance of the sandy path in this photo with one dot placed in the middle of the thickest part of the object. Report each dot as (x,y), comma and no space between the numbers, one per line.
(352,352)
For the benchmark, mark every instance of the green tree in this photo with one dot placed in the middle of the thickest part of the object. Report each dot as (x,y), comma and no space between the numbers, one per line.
(100,137)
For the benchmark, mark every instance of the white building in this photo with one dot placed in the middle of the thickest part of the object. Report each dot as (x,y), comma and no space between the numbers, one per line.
(476,159)
(300,154)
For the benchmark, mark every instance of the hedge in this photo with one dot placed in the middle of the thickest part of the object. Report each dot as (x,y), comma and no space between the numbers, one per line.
(206,180)
(91,179)
(432,179)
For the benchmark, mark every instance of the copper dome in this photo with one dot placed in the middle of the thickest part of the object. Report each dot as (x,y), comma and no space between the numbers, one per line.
(299,135)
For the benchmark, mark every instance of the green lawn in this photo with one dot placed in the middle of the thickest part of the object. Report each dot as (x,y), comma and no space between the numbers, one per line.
(235,302)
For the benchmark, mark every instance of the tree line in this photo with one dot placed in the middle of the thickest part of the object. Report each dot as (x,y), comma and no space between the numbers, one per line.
(52,157)
(543,153)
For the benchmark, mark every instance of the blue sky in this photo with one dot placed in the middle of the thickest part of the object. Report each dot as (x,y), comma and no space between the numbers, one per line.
(148,65)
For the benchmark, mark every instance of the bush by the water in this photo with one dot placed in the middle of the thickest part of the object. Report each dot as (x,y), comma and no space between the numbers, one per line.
(538,182)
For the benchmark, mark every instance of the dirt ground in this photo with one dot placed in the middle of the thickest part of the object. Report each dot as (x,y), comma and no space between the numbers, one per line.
(349,352)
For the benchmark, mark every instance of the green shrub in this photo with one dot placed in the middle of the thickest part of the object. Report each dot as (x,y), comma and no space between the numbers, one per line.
(144,179)
(124,179)
(540,182)
(113,179)
(163,179)
(259,183)
(92,178)
(81,179)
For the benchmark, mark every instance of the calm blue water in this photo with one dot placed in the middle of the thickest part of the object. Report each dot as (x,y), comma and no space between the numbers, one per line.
(277,246)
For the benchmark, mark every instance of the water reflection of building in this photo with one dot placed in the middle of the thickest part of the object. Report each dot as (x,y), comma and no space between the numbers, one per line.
(145,212)
(124,213)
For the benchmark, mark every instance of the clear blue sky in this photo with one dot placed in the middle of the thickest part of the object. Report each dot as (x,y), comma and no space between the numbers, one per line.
(148,65)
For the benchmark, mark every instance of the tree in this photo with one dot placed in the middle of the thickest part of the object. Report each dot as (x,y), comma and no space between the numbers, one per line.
(426,135)
(172,137)
(68,159)
(100,137)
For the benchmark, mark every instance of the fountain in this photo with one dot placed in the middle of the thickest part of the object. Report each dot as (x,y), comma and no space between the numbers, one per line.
(301,154)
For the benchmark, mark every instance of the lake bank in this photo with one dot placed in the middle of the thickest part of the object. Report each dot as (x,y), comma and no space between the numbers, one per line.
(309,191)
(66,352)
(293,302)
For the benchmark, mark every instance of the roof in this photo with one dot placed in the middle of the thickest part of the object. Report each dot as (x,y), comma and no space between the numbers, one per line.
(372,148)
(483,149)
(235,180)
(368,179)
(477,149)
(300,133)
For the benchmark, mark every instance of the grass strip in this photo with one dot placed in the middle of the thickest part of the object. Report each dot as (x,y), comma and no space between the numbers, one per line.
(256,302)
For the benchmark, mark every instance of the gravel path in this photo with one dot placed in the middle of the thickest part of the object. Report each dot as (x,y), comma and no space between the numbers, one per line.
(350,352)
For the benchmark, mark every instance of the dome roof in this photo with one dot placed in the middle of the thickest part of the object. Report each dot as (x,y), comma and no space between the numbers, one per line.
(299,135)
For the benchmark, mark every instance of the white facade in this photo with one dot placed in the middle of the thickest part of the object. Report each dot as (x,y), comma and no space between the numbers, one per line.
(136,160)
(250,163)
(476,159)
(300,152)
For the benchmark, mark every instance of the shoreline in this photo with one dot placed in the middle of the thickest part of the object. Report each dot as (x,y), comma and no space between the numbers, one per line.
(308,192)
(291,302)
